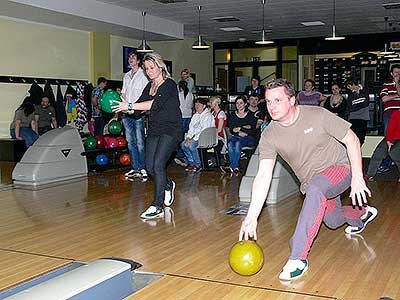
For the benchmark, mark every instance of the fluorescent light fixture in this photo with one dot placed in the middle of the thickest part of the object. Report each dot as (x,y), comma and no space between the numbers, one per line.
(313,23)
(144,47)
(231,29)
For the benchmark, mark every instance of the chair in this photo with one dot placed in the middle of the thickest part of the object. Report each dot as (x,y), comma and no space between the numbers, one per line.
(208,139)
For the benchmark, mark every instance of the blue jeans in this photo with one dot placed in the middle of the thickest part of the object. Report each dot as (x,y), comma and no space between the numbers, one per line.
(27,134)
(185,124)
(134,132)
(191,153)
(235,145)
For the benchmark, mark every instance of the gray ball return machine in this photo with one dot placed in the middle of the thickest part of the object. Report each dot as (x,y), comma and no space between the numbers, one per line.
(55,157)
(284,183)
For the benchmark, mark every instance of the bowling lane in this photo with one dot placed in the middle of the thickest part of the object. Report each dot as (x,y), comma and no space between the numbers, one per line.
(177,288)
(20,267)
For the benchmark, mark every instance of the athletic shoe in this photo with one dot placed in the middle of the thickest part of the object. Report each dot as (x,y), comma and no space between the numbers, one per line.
(143,173)
(190,168)
(383,169)
(180,161)
(169,196)
(370,214)
(294,268)
(152,212)
(132,173)
(196,169)
(236,171)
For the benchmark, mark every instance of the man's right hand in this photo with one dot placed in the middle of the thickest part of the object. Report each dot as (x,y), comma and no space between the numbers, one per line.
(248,229)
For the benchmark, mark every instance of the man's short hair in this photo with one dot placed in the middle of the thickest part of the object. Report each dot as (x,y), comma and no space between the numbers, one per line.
(101,80)
(185,70)
(395,66)
(352,81)
(281,82)
(134,52)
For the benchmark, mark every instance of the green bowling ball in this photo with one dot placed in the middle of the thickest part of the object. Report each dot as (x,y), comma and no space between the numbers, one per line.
(109,99)
(114,127)
(90,143)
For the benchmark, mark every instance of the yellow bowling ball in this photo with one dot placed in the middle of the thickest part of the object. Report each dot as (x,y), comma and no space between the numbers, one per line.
(246,258)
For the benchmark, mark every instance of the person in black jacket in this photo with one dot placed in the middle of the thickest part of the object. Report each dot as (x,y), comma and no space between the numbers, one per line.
(358,109)
(242,125)
(160,97)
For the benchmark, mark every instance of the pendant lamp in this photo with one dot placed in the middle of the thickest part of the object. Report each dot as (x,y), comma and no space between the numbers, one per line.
(144,47)
(263,40)
(334,37)
(200,44)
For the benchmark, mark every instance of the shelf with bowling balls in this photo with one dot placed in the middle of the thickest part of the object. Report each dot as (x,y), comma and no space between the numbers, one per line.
(107,151)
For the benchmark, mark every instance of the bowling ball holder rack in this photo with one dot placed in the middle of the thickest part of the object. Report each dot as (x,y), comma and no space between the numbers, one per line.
(113,155)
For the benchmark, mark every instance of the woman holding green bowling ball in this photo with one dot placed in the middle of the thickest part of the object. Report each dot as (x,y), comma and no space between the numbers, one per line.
(160,97)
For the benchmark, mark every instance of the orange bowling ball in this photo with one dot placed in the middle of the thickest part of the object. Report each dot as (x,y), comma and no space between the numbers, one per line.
(246,258)
(122,141)
(125,159)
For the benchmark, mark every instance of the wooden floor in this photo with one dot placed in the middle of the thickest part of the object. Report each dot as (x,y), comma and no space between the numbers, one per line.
(99,217)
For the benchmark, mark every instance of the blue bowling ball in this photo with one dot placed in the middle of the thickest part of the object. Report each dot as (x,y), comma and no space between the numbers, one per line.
(101,160)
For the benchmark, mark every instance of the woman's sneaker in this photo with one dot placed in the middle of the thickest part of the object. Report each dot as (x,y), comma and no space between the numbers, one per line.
(169,195)
(152,212)
(294,268)
(368,216)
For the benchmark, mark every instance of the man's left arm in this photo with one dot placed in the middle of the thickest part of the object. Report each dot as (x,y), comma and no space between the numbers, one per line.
(358,186)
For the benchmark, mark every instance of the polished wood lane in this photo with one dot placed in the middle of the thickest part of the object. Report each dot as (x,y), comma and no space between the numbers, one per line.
(175,288)
(100,218)
(20,267)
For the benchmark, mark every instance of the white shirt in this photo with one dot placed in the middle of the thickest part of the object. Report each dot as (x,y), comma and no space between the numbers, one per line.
(133,86)
(186,104)
(200,122)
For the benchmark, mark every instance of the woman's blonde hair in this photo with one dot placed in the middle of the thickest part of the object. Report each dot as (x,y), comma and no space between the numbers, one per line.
(158,60)
(215,99)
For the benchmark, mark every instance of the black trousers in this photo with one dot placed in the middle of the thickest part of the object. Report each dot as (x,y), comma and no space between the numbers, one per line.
(98,126)
(360,129)
(158,151)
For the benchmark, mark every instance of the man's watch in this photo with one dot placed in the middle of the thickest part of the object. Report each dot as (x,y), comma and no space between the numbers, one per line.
(130,106)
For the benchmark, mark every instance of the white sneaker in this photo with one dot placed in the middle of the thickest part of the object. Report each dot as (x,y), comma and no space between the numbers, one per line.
(294,268)
(143,173)
(169,196)
(130,173)
(368,216)
(152,212)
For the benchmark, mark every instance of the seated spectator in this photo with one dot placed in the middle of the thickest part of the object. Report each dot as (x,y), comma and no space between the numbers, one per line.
(309,96)
(242,125)
(23,126)
(201,120)
(259,111)
(336,102)
(390,145)
(45,116)
(221,121)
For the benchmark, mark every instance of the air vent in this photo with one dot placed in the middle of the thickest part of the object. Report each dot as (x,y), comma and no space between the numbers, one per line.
(393,5)
(226,19)
(170,1)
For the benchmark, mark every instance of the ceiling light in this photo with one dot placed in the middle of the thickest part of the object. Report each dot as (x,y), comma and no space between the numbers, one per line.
(386,50)
(334,37)
(231,29)
(263,40)
(200,44)
(144,47)
(313,23)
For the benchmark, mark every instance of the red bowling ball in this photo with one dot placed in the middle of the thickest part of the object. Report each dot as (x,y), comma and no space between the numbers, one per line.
(101,143)
(112,142)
